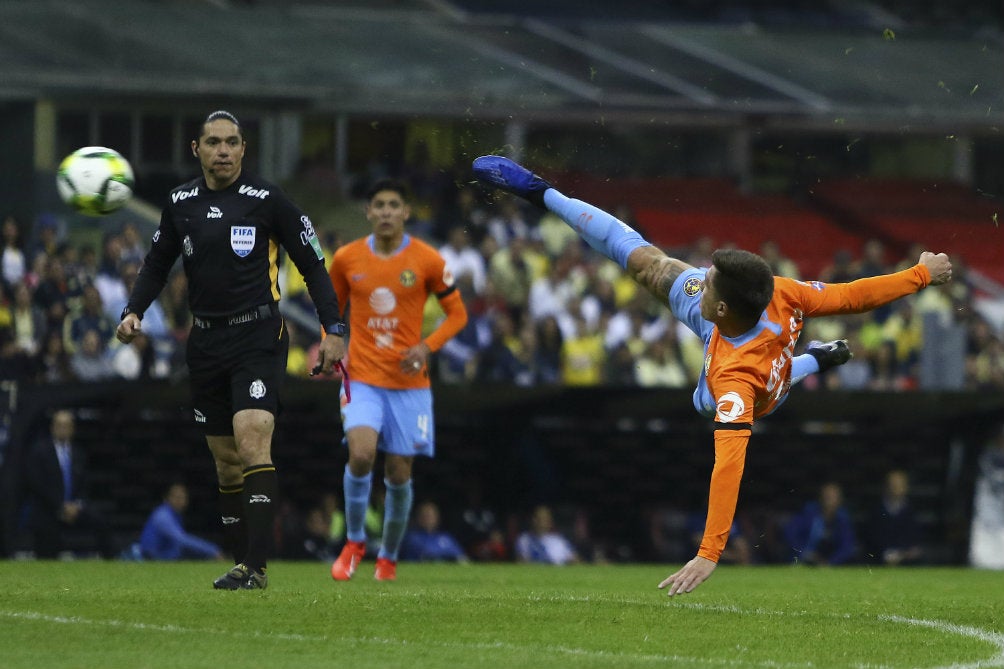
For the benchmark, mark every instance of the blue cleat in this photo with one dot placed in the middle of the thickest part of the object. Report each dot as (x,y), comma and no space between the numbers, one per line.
(511,177)
(828,355)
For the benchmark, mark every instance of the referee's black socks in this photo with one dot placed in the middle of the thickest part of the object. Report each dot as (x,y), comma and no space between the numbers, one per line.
(260,490)
(235,535)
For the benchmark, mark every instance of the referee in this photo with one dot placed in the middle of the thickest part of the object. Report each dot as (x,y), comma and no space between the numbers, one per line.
(228,226)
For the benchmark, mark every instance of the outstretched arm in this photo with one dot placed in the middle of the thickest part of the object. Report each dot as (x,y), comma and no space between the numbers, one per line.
(731,441)
(862,295)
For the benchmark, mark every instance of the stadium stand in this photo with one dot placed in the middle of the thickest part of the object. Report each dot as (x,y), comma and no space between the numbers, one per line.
(676,213)
(902,212)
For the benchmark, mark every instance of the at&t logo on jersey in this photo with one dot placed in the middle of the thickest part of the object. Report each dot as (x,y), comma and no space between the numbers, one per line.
(382,300)
(242,239)
(382,325)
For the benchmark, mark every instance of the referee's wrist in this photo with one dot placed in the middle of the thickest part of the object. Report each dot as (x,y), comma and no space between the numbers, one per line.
(337,329)
(126,311)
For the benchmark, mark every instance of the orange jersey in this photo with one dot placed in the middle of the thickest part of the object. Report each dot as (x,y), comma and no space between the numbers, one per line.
(386,297)
(750,375)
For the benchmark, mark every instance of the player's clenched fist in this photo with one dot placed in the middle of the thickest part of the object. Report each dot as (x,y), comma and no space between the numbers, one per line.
(938,265)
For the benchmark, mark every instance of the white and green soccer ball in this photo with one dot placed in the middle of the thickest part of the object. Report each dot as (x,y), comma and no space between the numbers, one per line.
(95,180)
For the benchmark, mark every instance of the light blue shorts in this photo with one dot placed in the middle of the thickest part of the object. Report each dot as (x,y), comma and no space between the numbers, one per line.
(402,418)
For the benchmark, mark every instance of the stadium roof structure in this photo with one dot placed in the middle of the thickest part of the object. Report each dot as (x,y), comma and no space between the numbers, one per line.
(410,62)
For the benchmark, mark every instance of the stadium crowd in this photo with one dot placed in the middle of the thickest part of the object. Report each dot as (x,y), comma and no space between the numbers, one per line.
(544,308)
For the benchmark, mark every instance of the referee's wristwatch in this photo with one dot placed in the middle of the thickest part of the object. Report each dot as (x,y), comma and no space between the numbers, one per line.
(337,328)
(126,311)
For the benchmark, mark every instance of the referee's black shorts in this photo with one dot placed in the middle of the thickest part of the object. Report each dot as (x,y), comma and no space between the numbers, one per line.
(236,367)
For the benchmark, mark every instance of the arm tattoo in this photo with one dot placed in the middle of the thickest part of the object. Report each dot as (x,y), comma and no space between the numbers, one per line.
(657,274)
(669,272)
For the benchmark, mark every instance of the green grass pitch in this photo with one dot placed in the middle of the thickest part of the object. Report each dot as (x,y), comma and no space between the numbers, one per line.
(92,614)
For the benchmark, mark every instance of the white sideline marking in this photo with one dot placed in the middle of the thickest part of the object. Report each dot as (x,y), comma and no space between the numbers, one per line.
(562,650)
(993,638)
(154,627)
(962,630)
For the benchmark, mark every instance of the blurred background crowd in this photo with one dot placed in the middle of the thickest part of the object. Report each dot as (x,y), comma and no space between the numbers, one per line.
(545,308)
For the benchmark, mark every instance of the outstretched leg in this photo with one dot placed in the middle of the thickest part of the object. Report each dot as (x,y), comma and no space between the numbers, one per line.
(601,230)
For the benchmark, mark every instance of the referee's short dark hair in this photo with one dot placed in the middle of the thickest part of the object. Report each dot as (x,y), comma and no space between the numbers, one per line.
(217,115)
(395,185)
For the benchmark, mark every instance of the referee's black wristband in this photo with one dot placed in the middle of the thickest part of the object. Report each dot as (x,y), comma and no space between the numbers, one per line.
(126,311)
(337,328)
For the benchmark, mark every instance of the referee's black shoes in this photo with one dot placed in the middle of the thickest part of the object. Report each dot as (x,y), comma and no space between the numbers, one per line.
(240,577)
(830,354)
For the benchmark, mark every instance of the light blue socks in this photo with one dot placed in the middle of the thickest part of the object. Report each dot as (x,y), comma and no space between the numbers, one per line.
(605,233)
(397,507)
(357,500)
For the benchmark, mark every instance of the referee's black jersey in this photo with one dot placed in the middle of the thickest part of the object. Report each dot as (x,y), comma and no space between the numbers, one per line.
(229,245)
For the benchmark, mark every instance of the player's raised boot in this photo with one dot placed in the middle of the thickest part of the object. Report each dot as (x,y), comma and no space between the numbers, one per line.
(386,570)
(829,354)
(511,177)
(350,557)
(233,579)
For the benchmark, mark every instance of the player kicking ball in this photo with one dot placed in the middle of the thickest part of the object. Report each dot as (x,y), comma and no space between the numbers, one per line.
(748,319)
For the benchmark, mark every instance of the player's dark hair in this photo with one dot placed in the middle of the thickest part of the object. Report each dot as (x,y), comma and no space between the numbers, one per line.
(393,185)
(744,281)
(215,116)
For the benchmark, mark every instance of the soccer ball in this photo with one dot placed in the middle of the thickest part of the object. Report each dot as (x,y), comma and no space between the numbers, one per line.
(95,180)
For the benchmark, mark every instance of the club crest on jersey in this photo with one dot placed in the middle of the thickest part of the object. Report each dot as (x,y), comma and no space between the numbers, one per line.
(408,278)
(186,246)
(692,286)
(242,239)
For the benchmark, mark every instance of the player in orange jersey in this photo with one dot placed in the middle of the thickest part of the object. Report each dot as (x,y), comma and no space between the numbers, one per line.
(385,279)
(748,319)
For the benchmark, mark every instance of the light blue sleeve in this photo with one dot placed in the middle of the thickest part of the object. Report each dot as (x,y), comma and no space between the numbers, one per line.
(685,301)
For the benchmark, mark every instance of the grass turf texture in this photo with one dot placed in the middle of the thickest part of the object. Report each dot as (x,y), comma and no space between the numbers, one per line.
(108,614)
